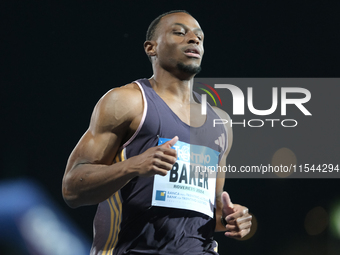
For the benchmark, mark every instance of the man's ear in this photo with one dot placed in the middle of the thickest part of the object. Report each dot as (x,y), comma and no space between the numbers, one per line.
(150,48)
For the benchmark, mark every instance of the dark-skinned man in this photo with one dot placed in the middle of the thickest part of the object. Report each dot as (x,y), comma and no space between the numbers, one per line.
(139,156)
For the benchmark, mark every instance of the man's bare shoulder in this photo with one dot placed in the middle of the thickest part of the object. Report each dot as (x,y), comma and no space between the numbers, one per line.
(118,106)
(130,92)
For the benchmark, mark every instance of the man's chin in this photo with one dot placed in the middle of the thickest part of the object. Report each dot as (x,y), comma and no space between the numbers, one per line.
(190,69)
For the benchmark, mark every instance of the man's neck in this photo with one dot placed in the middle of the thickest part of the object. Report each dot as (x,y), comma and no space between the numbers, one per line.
(167,85)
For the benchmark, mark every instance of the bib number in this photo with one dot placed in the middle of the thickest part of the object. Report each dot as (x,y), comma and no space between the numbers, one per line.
(190,184)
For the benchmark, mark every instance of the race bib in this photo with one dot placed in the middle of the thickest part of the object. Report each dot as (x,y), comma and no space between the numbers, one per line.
(191,183)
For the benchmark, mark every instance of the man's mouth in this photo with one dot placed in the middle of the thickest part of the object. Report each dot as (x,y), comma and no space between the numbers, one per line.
(192,53)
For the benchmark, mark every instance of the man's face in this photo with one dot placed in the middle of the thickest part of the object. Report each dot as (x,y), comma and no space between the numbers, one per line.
(179,43)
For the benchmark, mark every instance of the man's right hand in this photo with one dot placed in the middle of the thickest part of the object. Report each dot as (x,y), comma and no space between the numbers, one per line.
(156,160)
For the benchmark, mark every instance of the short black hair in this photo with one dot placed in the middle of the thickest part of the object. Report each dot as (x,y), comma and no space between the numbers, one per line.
(150,33)
(153,25)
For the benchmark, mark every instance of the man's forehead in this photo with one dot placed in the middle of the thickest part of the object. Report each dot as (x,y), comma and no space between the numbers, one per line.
(179,18)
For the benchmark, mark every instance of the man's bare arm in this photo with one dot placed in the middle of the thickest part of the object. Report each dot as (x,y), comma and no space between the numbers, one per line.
(90,176)
(236,216)
(220,180)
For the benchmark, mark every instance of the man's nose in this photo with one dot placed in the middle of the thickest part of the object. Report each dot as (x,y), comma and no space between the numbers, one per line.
(193,38)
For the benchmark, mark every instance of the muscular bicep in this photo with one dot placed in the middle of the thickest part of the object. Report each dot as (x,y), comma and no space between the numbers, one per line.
(95,148)
(112,122)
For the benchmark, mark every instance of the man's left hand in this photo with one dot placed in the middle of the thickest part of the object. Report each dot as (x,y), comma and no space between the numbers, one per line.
(237,218)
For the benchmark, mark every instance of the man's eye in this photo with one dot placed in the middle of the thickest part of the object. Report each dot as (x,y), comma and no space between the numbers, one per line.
(178,33)
(200,37)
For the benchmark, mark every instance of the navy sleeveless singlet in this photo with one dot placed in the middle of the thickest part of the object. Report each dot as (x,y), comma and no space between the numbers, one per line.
(127,223)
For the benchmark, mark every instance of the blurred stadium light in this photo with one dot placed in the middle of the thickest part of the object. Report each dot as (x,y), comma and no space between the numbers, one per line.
(31,221)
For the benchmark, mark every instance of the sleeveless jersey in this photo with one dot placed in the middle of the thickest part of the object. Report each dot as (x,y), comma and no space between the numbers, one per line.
(127,222)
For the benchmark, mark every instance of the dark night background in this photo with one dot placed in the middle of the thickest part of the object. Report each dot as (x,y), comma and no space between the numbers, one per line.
(59,57)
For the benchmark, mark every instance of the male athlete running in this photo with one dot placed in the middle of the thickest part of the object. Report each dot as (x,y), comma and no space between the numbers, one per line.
(134,162)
